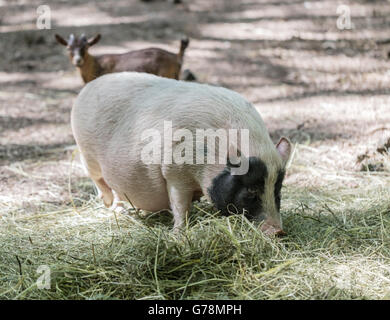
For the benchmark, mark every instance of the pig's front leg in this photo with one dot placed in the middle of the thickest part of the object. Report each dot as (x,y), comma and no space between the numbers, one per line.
(180,198)
(117,204)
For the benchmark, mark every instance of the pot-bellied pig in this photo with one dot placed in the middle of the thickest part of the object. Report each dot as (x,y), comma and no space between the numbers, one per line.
(161,143)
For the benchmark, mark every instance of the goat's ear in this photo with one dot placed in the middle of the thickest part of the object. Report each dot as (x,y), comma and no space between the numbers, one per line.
(61,40)
(94,40)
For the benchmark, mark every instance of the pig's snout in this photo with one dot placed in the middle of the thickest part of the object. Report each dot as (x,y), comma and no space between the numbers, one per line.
(272,229)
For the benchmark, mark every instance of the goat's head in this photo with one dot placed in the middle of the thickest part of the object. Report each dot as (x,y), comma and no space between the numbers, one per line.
(78,47)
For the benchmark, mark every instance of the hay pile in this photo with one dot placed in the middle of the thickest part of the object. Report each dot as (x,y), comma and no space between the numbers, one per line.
(338,247)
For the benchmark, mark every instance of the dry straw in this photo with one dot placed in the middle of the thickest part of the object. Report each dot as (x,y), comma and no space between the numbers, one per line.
(337,247)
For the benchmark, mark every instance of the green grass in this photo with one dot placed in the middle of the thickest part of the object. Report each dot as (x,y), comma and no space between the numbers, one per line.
(338,247)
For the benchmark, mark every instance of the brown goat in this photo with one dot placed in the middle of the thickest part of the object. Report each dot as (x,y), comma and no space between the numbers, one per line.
(151,60)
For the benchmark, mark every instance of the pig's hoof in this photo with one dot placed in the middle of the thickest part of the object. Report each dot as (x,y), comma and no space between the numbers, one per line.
(117,207)
(177,229)
(107,200)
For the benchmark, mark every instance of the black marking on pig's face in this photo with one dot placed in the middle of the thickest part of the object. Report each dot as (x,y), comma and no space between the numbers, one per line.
(240,193)
(278,188)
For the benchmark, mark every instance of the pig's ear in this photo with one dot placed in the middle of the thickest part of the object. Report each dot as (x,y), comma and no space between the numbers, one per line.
(284,149)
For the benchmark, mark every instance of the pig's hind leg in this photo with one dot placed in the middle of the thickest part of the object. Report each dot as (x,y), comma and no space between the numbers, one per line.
(180,199)
(94,171)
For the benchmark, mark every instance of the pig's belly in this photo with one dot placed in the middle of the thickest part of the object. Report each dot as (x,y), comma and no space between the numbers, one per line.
(145,190)
(150,201)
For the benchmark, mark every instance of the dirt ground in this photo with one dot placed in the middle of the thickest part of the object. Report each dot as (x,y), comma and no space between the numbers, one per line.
(324,88)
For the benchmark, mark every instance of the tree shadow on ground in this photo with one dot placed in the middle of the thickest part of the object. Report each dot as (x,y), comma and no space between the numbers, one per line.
(308,134)
(328,93)
(20,152)
(14,124)
(326,229)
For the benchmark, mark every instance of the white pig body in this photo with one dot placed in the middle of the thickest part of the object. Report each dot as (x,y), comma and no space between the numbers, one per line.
(111,114)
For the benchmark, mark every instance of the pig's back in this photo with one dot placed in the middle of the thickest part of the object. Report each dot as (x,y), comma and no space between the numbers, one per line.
(123,102)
